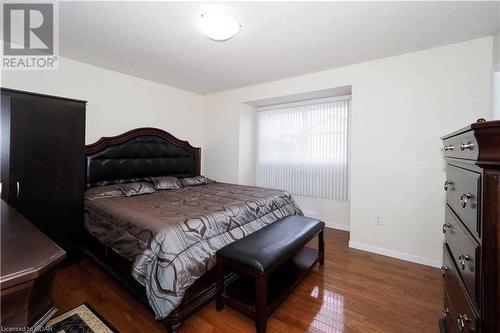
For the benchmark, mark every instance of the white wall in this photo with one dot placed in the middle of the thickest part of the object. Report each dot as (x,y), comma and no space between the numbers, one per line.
(401,106)
(222,129)
(117,102)
(335,214)
(496,75)
(496,51)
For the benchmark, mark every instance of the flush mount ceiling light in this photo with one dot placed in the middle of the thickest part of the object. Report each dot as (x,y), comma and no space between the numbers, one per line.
(218,25)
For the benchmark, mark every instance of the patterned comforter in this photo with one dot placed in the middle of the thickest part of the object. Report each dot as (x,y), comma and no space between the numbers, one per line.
(172,236)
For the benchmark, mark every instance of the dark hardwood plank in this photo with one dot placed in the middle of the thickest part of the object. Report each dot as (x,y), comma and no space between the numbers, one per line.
(354,291)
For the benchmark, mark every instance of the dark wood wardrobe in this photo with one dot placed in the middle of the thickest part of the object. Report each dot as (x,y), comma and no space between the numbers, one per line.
(43,161)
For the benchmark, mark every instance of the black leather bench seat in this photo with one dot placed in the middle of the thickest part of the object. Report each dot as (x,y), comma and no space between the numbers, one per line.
(277,248)
(267,246)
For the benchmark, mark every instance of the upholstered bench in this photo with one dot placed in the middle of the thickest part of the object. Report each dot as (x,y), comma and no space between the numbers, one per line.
(271,262)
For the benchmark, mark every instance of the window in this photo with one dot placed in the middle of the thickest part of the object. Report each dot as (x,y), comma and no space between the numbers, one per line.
(304,149)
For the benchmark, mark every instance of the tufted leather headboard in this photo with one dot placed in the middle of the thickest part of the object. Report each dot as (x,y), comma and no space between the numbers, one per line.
(138,155)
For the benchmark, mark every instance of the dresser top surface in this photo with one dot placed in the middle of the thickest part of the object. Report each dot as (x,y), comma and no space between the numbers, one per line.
(474,126)
(25,251)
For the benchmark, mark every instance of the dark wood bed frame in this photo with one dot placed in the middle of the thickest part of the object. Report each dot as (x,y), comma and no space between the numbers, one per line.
(203,290)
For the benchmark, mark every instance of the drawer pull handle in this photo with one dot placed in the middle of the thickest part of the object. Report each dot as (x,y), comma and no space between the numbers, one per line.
(461,321)
(468,145)
(446,312)
(444,269)
(445,227)
(464,198)
(447,184)
(462,259)
(449,147)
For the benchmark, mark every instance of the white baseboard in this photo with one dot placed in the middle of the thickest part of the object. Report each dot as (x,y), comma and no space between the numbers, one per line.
(338,226)
(395,254)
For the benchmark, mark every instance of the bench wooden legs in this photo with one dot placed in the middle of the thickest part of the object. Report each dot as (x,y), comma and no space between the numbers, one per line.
(321,247)
(262,312)
(261,303)
(219,303)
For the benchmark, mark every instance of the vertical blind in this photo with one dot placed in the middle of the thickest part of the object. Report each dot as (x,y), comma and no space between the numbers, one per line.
(304,149)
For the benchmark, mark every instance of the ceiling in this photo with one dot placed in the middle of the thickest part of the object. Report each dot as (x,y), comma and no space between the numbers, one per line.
(160,41)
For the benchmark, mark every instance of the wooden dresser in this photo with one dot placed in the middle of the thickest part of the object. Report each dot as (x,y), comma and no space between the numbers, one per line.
(471,252)
(28,263)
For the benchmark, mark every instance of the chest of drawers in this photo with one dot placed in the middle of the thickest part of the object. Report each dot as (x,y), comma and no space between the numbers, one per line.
(471,251)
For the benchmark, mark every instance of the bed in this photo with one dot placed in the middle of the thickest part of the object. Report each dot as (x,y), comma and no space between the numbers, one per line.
(161,244)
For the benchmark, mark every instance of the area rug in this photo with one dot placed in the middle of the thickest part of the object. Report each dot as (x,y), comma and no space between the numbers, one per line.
(82,319)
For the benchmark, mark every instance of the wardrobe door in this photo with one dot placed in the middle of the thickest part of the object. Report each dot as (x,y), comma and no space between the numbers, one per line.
(5,148)
(47,162)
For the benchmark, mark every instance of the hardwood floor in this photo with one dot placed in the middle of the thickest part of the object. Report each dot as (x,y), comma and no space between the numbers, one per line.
(354,291)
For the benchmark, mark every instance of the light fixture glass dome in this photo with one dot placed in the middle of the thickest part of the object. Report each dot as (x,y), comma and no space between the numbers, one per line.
(218,25)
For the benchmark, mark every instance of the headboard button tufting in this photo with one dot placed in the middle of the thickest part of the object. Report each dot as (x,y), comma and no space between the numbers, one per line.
(138,155)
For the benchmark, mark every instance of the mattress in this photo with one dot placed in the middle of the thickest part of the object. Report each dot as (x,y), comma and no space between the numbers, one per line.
(171,236)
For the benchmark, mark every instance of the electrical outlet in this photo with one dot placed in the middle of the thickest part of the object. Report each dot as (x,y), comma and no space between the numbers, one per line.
(378,220)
